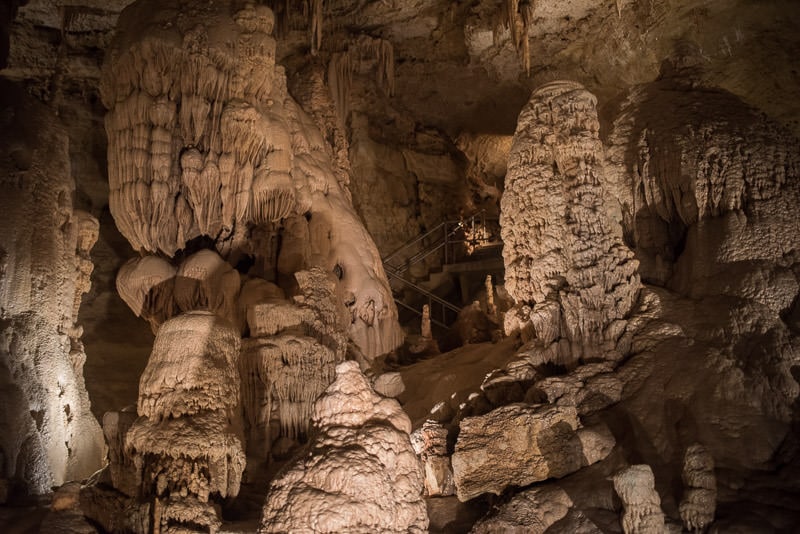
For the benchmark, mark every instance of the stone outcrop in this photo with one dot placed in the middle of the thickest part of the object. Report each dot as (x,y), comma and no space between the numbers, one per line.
(359,472)
(518,444)
(573,279)
(532,511)
(49,435)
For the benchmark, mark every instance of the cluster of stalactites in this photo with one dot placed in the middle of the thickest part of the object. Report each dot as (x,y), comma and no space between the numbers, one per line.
(344,64)
(566,264)
(186,445)
(194,147)
(517,17)
(312,11)
(292,354)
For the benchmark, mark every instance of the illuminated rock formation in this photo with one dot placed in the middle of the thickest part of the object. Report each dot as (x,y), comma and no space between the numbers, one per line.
(518,444)
(708,188)
(187,445)
(642,514)
(359,474)
(49,435)
(430,444)
(573,279)
(204,142)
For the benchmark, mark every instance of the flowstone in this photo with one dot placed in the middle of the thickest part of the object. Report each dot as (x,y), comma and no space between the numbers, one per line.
(206,146)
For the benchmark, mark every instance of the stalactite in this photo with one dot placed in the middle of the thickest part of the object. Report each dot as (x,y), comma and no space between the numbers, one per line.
(344,64)
(316,26)
(517,16)
(340,78)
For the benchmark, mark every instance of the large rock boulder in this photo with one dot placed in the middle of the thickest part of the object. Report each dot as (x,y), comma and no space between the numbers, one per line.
(519,444)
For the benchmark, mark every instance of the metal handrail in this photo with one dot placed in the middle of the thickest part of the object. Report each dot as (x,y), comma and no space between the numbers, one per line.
(416,311)
(426,293)
(414,241)
(449,230)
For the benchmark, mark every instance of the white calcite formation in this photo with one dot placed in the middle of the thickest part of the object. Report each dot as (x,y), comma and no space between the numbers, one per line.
(700,489)
(290,358)
(566,266)
(642,514)
(518,444)
(204,142)
(430,444)
(49,434)
(358,474)
(187,444)
(709,190)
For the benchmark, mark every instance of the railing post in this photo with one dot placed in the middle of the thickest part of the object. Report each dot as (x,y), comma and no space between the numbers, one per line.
(445,243)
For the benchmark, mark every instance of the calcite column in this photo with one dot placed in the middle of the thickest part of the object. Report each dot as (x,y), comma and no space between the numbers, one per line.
(49,434)
(187,445)
(573,279)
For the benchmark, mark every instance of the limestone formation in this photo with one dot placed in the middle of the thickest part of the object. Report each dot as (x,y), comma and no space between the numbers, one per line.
(714,213)
(566,266)
(430,444)
(121,467)
(700,489)
(589,388)
(290,358)
(359,473)
(389,384)
(343,65)
(532,511)
(518,444)
(205,143)
(642,514)
(49,435)
(187,444)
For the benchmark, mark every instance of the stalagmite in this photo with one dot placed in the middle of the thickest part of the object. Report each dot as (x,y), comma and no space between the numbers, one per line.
(425,327)
(700,489)
(187,445)
(566,265)
(635,486)
(359,474)
(491,308)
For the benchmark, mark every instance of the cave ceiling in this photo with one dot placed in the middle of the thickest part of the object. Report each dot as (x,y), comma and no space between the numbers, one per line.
(456,65)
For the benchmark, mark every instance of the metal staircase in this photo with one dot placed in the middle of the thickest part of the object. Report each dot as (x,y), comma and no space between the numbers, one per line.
(457,241)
